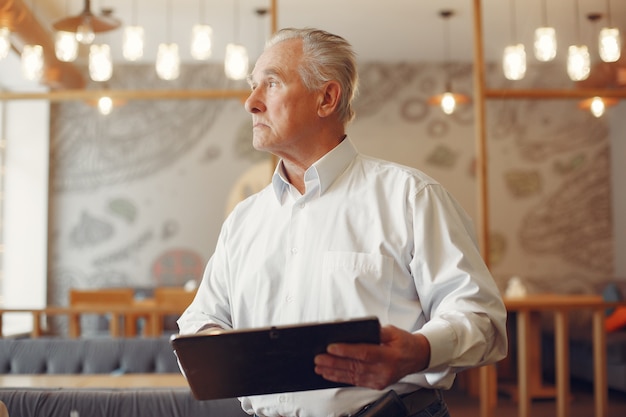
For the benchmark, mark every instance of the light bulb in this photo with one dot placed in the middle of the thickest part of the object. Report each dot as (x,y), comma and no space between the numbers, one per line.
(609,44)
(201,42)
(85,33)
(100,63)
(514,62)
(32,62)
(105,105)
(65,46)
(168,61)
(5,42)
(578,62)
(132,45)
(448,103)
(545,44)
(597,107)
(236,62)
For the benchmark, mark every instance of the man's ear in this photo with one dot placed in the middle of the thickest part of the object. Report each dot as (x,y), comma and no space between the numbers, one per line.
(329,98)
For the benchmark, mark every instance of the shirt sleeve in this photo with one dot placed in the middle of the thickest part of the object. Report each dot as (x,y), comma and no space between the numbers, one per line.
(465,314)
(211,306)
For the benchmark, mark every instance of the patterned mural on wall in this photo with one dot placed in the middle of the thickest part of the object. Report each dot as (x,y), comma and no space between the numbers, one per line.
(139,196)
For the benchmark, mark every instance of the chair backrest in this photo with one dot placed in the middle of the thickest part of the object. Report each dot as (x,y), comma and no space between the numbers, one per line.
(176,297)
(101,296)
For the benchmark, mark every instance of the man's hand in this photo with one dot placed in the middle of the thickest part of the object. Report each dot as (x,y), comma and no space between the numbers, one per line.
(375,366)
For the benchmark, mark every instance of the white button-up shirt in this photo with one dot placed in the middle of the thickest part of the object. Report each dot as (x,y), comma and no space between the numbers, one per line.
(368,237)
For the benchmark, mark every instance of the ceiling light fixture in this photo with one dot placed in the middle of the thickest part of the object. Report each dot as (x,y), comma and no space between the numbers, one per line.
(597,105)
(201,37)
(86,25)
(609,40)
(578,59)
(5,42)
(545,38)
(168,58)
(448,100)
(32,59)
(133,42)
(514,59)
(236,60)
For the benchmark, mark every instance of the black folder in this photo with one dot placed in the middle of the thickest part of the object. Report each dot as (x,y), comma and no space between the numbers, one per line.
(275,359)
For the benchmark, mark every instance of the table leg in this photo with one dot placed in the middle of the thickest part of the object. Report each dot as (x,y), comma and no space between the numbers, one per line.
(561,335)
(599,364)
(488,390)
(73,320)
(36,332)
(523,323)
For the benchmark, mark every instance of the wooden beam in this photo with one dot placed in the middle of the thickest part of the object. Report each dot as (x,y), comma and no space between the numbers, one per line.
(535,94)
(68,95)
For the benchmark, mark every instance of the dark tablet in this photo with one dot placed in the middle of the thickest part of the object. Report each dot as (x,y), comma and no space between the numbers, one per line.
(266,360)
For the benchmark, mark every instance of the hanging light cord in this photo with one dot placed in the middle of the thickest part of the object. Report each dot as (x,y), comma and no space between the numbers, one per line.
(201,11)
(235,20)
(544,14)
(169,20)
(133,13)
(576,14)
(513,22)
(608,13)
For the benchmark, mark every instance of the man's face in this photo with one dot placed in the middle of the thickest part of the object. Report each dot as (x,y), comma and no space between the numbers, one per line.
(284,112)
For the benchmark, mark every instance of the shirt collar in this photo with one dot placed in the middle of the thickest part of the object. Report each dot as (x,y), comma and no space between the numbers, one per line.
(322,173)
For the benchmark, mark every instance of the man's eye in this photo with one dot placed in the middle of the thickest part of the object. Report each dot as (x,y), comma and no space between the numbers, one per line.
(272,84)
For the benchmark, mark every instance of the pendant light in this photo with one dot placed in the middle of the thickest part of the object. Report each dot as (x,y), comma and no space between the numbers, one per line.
(597,105)
(5,42)
(609,40)
(32,58)
(133,41)
(514,58)
(448,100)
(65,44)
(100,62)
(236,60)
(201,37)
(168,58)
(545,38)
(578,59)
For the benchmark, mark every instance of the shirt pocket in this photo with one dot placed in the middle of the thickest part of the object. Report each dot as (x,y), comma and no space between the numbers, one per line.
(355,285)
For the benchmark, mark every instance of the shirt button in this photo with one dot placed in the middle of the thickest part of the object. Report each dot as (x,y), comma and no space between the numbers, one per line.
(294,250)
(289,298)
(282,398)
(301,205)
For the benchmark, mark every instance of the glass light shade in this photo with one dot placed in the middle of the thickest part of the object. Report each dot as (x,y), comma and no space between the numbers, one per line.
(85,33)
(32,62)
(545,44)
(5,42)
(201,42)
(105,105)
(597,107)
(578,62)
(236,62)
(65,46)
(448,103)
(132,45)
(100,62)
(514,62)
(168,61)
(610,44)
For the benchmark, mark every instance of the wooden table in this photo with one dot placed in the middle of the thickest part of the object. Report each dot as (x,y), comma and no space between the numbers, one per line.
(173,380)
(529,382)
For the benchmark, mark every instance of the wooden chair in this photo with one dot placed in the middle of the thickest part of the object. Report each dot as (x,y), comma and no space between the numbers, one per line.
(102,297)
(174,299)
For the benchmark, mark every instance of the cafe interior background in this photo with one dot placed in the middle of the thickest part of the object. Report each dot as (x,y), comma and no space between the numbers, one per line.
(136,197)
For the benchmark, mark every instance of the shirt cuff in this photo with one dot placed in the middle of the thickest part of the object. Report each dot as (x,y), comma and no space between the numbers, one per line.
(443,342)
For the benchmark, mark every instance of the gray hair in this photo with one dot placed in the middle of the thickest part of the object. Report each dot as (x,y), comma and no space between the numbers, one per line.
(326,57)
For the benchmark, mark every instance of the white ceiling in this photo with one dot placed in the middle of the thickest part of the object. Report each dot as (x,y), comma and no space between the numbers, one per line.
(390,30)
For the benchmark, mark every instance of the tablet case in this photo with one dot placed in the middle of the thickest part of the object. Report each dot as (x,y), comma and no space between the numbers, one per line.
(265,360)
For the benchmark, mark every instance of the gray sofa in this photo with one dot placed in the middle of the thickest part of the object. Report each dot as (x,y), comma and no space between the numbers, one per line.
(100,356)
